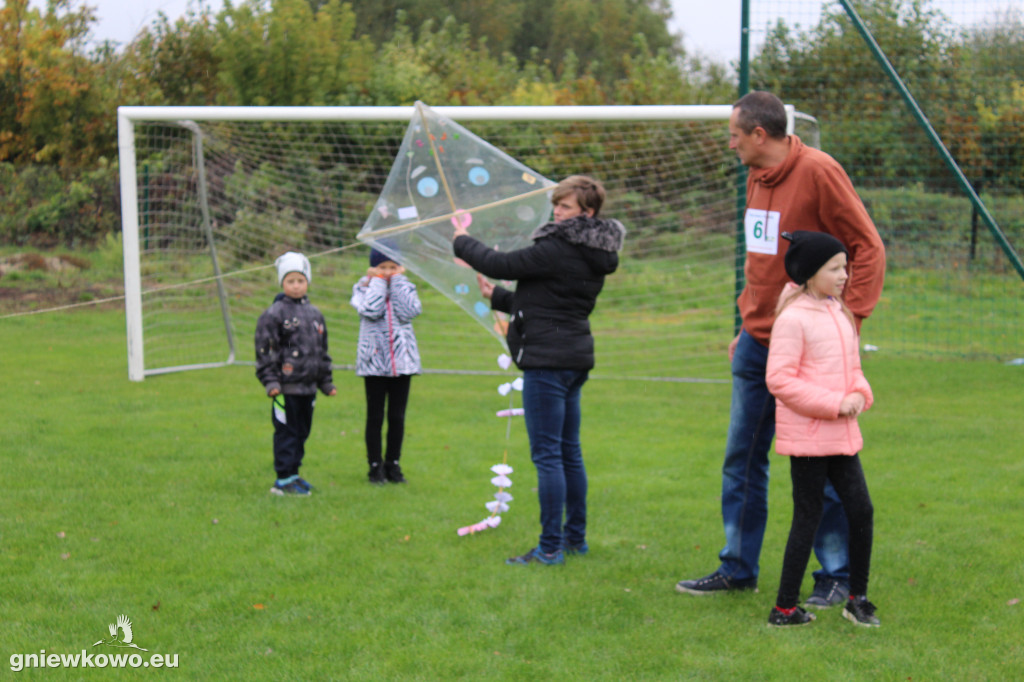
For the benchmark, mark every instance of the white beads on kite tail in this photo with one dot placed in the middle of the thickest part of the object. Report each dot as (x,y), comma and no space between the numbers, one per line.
(501,478)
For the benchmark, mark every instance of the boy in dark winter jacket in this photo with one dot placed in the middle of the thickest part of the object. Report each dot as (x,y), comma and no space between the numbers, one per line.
(558,280)
(292,363)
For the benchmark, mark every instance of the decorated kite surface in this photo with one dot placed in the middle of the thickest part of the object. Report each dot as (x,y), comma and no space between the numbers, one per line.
(445,175)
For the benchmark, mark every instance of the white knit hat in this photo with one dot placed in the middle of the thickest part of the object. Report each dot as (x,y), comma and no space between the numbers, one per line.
(293,262)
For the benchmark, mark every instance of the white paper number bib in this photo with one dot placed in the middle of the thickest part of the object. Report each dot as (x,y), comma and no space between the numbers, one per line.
(762,228)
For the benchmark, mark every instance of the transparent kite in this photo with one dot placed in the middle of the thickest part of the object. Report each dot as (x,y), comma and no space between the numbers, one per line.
(445,175)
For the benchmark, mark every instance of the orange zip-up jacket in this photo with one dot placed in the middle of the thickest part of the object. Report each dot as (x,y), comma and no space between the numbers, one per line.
(807,191)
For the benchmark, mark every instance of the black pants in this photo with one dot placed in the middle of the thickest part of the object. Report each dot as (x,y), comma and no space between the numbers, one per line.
(847,477)
(395,392)
(290,434)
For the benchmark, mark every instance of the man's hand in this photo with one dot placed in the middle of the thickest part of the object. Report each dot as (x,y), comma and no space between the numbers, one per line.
(732,347)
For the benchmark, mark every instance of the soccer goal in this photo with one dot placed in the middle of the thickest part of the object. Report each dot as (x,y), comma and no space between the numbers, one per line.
(212,195)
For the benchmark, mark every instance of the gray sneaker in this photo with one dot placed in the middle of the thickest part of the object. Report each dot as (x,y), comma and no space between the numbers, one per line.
(827,593)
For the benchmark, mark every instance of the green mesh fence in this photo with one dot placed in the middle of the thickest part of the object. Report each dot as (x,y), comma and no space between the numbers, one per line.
(952,288)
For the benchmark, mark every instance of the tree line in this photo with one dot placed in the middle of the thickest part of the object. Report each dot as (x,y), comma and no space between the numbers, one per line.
(59,91)
(969,82)
(59,96)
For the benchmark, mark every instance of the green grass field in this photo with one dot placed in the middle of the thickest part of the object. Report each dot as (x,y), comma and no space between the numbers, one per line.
(151,499)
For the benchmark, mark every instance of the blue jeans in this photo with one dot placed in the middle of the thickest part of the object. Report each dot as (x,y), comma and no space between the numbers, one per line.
(551,401)
(745,478)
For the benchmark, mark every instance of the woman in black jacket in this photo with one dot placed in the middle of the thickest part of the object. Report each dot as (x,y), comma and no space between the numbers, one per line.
(559,279)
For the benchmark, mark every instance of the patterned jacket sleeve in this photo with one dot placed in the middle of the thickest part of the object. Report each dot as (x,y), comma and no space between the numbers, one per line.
(405,302)
(370,300)
(268,351)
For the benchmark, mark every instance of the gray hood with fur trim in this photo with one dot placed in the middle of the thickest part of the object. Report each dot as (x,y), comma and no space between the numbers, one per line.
(597,233)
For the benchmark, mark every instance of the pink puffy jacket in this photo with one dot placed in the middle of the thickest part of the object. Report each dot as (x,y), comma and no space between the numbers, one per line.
(813,363)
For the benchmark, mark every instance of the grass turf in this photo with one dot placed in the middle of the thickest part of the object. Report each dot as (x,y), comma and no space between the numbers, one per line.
(151,499)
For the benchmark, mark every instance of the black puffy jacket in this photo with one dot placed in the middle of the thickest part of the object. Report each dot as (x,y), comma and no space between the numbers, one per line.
(558,280)
(291,348)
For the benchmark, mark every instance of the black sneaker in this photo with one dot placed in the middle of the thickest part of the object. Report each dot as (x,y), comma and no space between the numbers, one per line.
(860,611)
(393,472)
(376,474)
(716,582)
(827,593)
(778,619)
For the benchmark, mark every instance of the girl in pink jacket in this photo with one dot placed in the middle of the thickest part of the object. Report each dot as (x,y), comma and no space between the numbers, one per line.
(814,372)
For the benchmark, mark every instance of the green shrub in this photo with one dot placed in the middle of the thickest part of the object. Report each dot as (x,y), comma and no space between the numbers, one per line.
(46,206)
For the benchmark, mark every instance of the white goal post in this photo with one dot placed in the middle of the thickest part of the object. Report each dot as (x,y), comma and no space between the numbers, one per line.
(202,172)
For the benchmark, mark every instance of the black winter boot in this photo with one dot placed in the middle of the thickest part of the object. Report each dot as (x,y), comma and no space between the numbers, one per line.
(376,473)
(393,472)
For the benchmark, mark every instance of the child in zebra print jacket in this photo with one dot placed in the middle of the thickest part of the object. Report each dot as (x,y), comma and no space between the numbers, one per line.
(386,358)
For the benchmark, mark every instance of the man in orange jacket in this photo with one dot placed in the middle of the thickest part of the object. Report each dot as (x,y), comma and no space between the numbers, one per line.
(790,186)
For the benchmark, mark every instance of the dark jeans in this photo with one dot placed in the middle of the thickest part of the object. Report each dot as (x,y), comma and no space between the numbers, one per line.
(809,475)
(745,477)
(394,391)
(290,435)
(551,401)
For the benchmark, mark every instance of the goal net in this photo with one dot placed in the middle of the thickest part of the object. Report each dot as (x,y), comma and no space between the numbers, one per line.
(211,196)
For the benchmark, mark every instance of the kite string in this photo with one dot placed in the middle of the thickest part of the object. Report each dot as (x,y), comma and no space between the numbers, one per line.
(504,455)
(503,468)
(169,287)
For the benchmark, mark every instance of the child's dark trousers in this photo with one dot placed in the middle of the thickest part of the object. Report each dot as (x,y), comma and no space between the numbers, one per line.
(293,418)
(394,391)
(809,475)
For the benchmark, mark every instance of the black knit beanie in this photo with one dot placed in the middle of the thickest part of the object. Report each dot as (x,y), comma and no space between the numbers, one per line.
(378,257)
(808,251)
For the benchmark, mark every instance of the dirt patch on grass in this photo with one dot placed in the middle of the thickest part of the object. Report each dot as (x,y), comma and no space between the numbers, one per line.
(37,262)
(30,299)
(34,281)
